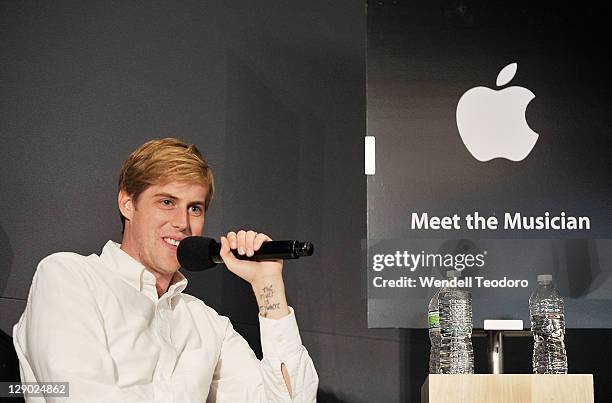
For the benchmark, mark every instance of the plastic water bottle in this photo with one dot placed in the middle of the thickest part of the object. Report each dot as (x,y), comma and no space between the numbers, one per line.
(433,317)
(456,352)
(548,328)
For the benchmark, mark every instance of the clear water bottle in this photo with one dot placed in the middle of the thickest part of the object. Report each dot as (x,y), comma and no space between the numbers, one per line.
(456,352)
(433,317)
(548,328)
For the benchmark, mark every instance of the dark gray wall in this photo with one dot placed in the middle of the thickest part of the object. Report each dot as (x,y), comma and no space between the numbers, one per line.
(274,95)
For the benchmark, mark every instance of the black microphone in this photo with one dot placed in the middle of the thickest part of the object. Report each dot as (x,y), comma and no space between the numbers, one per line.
(197,253)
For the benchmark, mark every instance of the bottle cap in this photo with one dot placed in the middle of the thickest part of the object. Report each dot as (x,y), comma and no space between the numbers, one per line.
(544,277)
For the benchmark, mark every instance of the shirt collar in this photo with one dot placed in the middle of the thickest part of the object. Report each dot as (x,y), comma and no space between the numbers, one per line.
(134,273)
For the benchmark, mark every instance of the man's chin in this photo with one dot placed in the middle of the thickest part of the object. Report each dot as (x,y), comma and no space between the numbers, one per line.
(169,268)
(172,269)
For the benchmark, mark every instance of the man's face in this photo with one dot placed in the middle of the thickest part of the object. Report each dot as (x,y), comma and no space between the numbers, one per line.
(161,217)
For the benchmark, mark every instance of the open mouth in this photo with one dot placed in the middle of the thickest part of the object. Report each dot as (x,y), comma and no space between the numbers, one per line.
(171,242)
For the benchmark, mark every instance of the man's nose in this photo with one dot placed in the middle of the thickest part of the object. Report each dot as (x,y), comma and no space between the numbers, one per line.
(180,220)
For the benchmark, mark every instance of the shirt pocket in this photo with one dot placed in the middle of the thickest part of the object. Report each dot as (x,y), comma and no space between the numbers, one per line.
(195,368)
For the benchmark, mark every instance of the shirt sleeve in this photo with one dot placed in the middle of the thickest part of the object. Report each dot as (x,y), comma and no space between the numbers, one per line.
(241,377)
(60,337)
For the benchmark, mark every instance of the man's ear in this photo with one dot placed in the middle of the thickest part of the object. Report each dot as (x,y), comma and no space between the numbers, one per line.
(126,204)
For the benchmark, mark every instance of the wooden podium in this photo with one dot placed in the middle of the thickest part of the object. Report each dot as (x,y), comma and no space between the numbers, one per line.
(508,388)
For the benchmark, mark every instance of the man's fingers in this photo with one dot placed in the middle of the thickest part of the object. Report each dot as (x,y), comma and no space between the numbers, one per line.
(231,237)
(259,240)
(241,237)
(249,239)
(246,242)
(225,247)
(226,253)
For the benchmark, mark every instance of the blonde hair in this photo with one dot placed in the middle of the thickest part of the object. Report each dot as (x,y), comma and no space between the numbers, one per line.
(165,159)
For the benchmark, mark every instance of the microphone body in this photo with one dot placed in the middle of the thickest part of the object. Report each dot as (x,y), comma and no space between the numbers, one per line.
(197,253)
(271,250)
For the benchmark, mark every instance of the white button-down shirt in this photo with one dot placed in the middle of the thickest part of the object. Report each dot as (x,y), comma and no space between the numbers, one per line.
(97,323)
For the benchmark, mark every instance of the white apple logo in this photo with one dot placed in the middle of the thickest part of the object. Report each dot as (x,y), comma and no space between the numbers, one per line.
(492,123)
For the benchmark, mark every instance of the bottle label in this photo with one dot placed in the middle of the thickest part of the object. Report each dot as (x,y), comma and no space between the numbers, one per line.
(434,319)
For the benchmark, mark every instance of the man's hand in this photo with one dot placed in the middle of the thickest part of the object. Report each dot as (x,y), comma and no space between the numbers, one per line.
(246,243)
(266,277)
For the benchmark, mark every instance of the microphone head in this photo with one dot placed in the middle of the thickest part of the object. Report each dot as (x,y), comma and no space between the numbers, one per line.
(194,253)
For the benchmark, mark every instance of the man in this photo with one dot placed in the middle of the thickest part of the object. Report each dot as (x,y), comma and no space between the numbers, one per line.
(117,326)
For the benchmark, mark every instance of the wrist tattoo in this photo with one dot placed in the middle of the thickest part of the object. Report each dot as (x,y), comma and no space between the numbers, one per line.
(266,297)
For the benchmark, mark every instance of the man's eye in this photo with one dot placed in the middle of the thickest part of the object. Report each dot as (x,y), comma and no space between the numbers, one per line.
(195,210)
(167,202)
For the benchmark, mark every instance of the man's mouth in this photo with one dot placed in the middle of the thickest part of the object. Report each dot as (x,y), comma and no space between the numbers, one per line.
(172,241)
